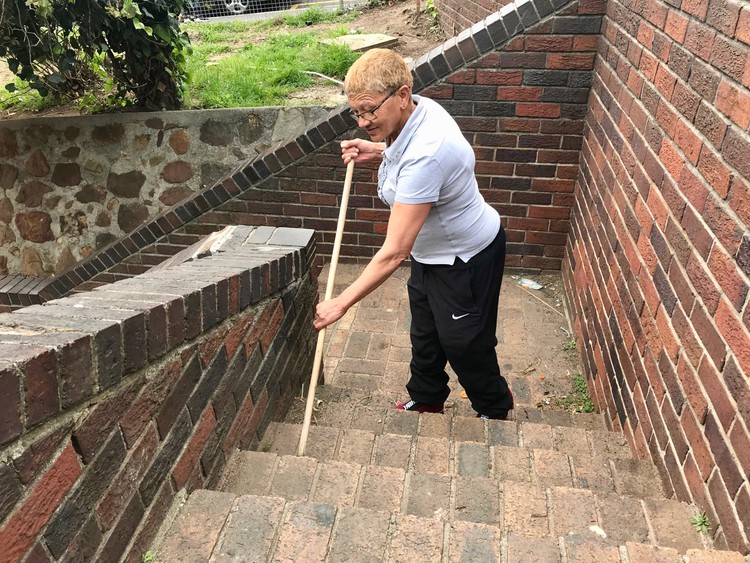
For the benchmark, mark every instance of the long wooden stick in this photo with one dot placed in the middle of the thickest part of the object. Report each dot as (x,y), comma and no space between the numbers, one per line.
(329,293)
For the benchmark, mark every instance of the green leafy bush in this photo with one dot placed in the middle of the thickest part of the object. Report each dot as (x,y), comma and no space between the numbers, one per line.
(131,50)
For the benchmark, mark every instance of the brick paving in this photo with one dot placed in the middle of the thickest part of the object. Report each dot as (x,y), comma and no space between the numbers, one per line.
(377,484)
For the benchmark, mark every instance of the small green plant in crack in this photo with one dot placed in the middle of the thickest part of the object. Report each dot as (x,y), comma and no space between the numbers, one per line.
(579,400)
(432,11)
(265,447)
(569,345)
(148,557)
(700,523)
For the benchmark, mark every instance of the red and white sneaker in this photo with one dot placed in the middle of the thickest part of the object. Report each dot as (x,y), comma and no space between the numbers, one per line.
(415,406)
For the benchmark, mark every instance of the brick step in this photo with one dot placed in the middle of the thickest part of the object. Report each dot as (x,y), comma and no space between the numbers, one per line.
(579,461)
(506,500)
(355,408)
(218,526)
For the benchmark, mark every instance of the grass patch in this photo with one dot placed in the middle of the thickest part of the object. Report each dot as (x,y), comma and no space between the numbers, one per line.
(226,70)
(262,75)
(579,400)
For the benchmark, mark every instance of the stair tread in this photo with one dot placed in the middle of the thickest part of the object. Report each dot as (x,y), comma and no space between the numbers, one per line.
(218,527)
(532,507)
(341,406)
(471,437)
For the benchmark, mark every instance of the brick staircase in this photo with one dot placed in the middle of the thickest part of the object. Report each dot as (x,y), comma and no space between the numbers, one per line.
(378,484)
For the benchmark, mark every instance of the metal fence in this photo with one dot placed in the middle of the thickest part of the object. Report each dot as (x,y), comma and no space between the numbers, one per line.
(198,10)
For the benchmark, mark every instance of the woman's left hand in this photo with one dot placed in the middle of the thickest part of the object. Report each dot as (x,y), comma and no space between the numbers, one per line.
(328,312)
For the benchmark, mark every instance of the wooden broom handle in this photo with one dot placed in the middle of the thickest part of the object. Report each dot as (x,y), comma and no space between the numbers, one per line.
(329,293)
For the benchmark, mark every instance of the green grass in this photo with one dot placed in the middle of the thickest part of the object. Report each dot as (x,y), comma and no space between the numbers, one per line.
(261,75)
(226,70)
(579,399)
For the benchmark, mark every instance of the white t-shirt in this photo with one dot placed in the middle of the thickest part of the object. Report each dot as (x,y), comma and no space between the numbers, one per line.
(432,162)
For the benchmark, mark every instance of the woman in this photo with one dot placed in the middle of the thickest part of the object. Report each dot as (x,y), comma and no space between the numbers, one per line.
(438,216)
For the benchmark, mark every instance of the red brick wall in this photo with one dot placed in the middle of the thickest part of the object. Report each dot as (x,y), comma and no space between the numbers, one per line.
(659,256)
(113,401)
(457,15)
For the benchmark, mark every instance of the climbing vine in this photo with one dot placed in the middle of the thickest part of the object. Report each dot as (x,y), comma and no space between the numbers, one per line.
(129,52)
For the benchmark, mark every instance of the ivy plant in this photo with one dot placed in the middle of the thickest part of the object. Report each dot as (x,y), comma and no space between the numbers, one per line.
(130,52)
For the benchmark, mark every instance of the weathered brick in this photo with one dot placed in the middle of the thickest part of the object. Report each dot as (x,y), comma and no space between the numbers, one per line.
(698,8)
(736,151)
(250,529)
(206,511)
(41,387)
(85,544)
(126,481)
(525,510)
(176,400)
(10,490)
(382,488)
(734,102)
(418,538)
(207,385)
(121,534)
(521,548)
(149,402)
(725,512)
(32,515)
(73,513)
(75,371)
(188,461)
(730,326)
(676,25)
(11,421)
(165,459)
(305,532)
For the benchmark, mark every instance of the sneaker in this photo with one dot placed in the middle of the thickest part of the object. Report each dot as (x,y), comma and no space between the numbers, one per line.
(415,406)
(503,416)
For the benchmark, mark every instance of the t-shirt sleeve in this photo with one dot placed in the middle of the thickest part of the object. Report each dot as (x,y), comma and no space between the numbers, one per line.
(419,181)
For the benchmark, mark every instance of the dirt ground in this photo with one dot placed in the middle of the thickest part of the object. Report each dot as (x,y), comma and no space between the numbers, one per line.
(414,29)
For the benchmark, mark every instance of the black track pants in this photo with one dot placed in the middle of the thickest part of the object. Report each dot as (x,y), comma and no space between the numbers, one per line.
(453,319)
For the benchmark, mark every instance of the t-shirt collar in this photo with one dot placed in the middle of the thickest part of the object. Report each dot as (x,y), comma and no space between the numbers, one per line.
(396,149)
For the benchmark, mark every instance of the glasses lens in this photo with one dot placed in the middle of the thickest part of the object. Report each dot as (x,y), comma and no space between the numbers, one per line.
(366,115)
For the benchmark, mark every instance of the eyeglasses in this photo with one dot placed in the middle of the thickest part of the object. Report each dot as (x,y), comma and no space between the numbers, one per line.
(369,115)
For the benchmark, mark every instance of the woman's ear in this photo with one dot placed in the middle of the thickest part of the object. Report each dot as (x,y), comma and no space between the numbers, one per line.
(404,96)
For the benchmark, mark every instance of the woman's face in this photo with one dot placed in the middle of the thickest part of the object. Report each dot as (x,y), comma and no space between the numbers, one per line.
(381,115)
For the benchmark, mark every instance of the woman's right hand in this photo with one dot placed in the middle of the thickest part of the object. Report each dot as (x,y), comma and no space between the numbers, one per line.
(361,150)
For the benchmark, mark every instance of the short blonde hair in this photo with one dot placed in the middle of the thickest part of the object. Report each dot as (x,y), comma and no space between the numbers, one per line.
(378,70)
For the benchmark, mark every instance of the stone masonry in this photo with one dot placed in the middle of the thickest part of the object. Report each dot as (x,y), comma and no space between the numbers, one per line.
(73,185)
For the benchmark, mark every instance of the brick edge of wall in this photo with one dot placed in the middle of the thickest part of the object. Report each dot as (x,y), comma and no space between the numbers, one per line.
(116,399)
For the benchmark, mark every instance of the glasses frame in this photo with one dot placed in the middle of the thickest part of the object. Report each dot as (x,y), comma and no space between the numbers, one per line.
(364,114)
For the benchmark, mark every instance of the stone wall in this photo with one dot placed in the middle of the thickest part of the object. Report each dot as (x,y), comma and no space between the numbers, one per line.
(112,402)
(73,185)
(658,264)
